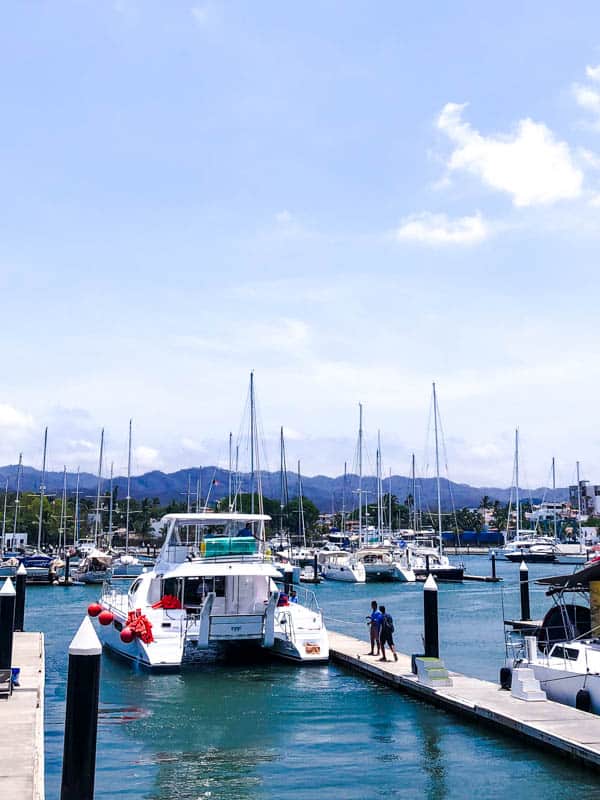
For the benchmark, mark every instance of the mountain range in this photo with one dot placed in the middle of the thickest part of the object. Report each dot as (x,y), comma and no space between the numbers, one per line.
(325,492)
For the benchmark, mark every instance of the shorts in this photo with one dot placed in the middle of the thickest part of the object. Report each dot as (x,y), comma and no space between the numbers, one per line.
(387,638)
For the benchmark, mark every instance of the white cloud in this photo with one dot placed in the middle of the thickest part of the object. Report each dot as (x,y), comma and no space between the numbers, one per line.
(438,229)
(530,164)
(146,457)
(201,14)
(11,417)
(587,98)
(593,73)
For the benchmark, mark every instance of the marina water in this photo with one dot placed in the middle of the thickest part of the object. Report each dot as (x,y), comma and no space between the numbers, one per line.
(268,729)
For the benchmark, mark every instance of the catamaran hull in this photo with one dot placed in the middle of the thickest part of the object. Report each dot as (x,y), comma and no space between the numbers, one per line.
(441,573)
(345,574)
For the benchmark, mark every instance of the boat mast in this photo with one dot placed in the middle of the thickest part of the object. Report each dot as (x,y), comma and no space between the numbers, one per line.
(301,526)
(97,517)
(518,504)
(198,494)
(237,475)
(19,468)
(390,503)
(283,494)
(110,506)
(437,468)
(230,468)
(3,543)
(360,470)
(128,498)
(579,503)
(42,488)
(189,494)
(76,528)
(63,513)
(379,495)
(414,494)
(554,495)
(252,422)
(344,500)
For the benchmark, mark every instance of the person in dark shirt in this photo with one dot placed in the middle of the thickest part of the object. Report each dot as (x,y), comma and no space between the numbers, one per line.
(293,596)
(385,634)
(374,623)
(247,531)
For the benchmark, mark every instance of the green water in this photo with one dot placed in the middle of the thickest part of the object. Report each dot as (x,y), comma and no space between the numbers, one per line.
(272,730)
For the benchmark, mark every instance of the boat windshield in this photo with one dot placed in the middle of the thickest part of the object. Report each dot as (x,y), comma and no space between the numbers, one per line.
(213,538)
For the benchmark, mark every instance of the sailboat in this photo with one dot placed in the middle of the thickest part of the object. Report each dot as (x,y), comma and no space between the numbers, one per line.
(127,565)
(213,590)
(527,544)
(379,559)
(94,566)
(339,565)
(428,559)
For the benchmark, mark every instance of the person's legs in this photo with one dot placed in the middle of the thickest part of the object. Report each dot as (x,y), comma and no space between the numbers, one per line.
(382,643)
(374,641)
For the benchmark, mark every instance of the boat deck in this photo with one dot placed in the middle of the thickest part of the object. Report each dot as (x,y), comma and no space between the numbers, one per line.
(22,723)
(562,729)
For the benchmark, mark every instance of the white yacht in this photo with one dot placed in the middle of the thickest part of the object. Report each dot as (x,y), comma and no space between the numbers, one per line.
(343,566)
(93,568)
(212,588)
(564,654)
(382,564)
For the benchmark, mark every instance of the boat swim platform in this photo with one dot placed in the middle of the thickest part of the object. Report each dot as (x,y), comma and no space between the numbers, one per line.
(22,723)
(555,727)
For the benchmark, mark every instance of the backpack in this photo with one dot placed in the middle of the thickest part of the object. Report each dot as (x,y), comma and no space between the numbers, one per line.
(387,623)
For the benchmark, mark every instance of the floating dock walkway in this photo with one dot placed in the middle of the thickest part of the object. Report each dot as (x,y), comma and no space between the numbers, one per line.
(22,723)
(561,729)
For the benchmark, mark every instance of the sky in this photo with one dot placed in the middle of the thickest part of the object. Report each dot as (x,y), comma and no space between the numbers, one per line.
(351,199)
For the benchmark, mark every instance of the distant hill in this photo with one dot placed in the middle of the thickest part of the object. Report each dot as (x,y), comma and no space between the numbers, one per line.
(325,492)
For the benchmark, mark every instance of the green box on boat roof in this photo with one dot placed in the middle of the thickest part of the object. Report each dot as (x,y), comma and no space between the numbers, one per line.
(228,546)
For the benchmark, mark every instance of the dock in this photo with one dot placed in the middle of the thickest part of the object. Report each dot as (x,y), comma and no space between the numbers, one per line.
(22,723)
(561,729)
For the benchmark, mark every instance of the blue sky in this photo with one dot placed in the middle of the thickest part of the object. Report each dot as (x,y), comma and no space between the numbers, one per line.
(351,199)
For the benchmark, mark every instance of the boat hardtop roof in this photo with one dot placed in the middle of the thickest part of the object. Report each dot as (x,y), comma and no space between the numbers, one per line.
(216,516)
(575,580)
(200,567)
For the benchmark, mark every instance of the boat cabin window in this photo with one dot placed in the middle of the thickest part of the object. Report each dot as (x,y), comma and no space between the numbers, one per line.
(570,653)
(196,589)
(134,586)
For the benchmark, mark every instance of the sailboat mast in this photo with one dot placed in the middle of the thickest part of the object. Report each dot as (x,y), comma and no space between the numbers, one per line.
(98,520)
(360,475)
(189,495)
(252,422)
(344,500)
(237,475)
(19,468)
(42,488)
(554,495)
(281,479)
(390,502)
(76,530)
(579,503)
(128,498)
(379,497)
(3,543)
(518,504)
(63,513)
(437,468)
(301,526)
(414,494)
(230,468)
(110,505)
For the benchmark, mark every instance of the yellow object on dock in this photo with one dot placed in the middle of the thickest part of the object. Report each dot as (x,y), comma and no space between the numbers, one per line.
(562,729)
(22,723)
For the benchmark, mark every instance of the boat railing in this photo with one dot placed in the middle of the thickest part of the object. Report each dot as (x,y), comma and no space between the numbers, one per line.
(306,597)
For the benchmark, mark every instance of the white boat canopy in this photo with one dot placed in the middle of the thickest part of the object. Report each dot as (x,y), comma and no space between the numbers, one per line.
(192,569)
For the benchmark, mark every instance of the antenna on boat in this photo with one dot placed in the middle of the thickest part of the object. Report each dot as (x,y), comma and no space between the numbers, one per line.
(128,498)
(437,468)
(42,488)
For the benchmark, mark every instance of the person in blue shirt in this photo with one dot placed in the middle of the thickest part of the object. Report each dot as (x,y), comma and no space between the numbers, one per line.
(374,623)
(246,531)
(293,596)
